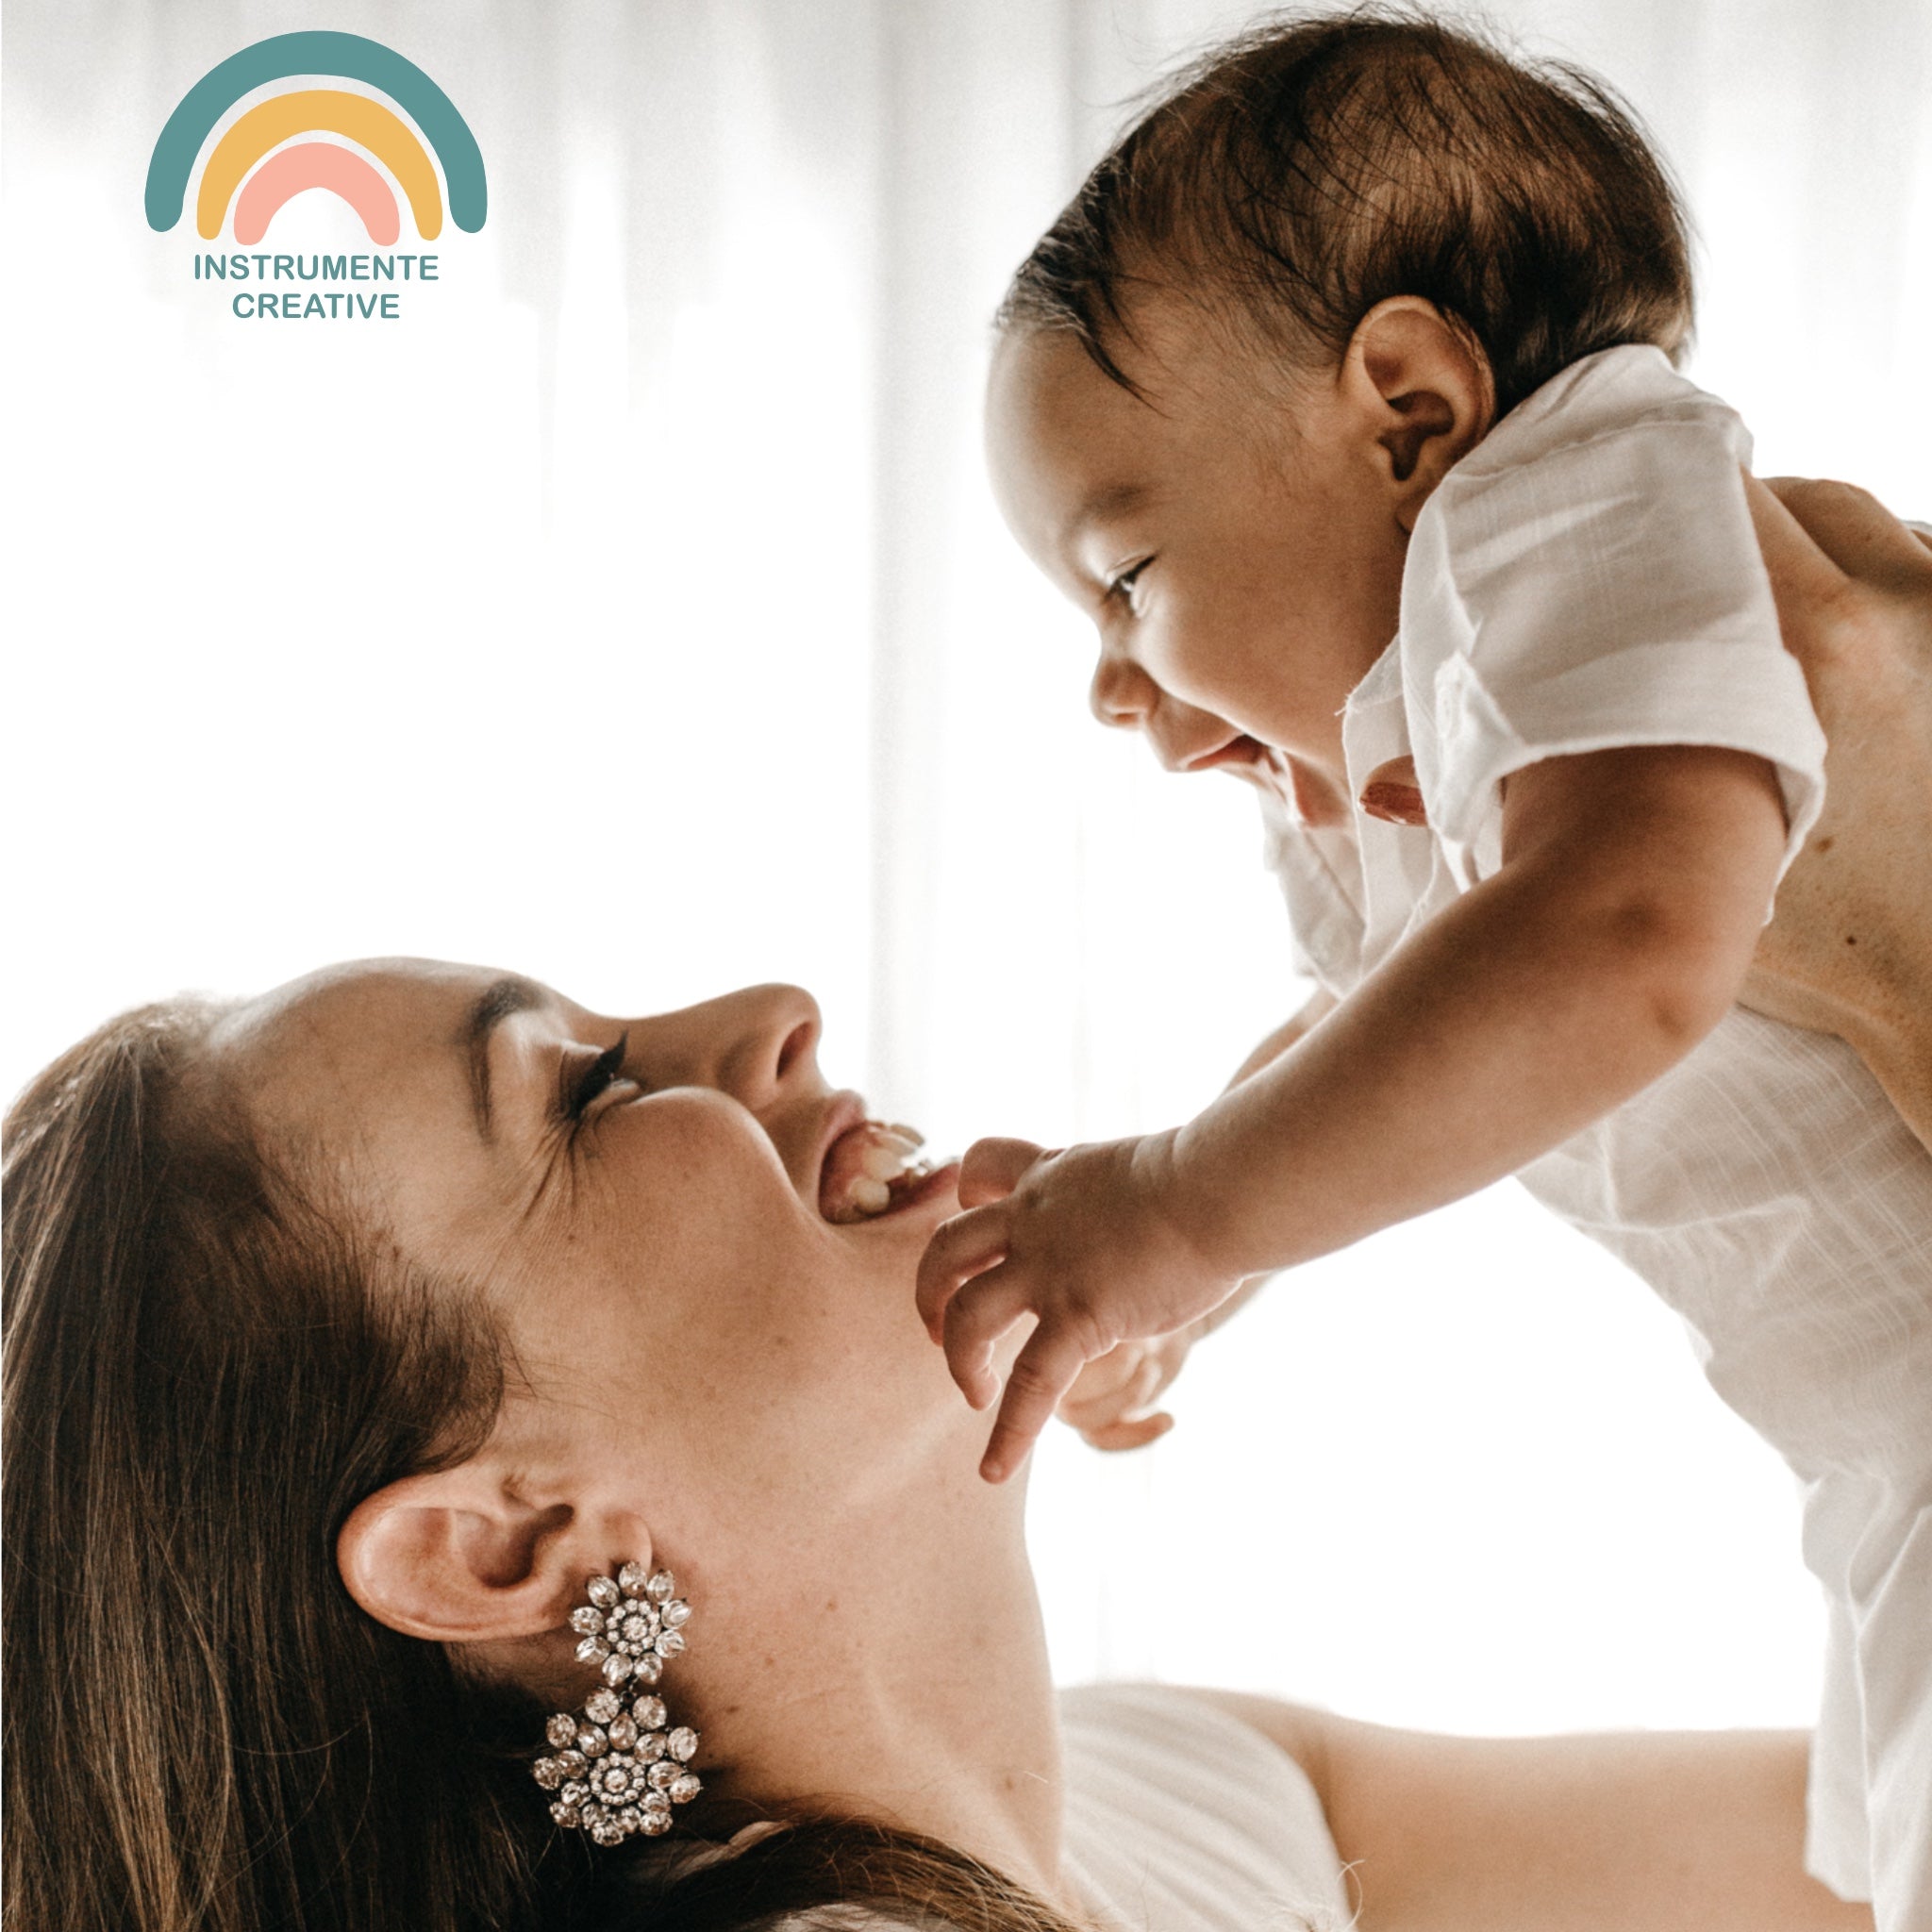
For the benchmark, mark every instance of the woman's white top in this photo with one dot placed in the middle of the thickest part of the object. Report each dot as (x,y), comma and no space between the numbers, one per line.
(1180,1818)
(1587,578)
(1183,1819)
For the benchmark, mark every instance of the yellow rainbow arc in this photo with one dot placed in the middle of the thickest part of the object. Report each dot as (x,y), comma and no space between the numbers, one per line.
(323,110)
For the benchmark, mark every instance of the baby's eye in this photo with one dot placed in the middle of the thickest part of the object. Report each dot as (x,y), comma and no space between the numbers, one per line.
(1120,588)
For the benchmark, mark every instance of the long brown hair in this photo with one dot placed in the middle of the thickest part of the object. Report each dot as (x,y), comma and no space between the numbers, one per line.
(1317,164)
(202,1729)
(205,1371)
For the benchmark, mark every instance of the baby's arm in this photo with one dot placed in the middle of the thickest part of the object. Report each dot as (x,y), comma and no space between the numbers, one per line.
(1285,1035)
(1112,1401)
(1613,936)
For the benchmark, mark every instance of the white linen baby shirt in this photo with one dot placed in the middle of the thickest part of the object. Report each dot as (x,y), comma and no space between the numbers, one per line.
(1587,578)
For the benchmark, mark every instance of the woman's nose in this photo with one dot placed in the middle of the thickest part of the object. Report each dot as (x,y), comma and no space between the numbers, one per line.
(1121,694)
(756,1044)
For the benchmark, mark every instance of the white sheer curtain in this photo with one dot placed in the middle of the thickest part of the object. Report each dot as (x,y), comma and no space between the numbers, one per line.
(633,612)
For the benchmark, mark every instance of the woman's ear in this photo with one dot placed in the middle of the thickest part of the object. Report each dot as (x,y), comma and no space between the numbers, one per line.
(1424,390)
(458,1556)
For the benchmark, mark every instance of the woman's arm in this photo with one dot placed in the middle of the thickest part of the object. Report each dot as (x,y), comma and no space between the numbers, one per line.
(1850,951)
(1632,1832)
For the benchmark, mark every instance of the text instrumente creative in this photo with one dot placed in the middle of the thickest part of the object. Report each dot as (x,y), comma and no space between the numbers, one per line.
(316,304)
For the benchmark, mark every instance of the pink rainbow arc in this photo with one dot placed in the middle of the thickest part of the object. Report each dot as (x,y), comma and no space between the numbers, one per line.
(291,171)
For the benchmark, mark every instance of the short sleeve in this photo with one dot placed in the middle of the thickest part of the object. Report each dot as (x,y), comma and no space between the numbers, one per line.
(1570,592)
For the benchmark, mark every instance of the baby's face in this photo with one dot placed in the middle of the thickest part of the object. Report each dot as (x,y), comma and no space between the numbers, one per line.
(1236,551)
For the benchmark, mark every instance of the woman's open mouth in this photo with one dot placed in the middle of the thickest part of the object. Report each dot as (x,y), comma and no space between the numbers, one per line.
(872,1170)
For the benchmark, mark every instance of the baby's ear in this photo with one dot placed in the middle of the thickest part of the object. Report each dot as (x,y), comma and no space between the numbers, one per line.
(459,1556)
(1422,387)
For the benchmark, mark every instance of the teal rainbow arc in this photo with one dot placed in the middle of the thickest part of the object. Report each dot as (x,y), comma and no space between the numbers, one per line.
(348,57)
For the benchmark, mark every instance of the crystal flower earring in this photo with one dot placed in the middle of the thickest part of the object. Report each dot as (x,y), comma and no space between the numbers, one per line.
(619,1766)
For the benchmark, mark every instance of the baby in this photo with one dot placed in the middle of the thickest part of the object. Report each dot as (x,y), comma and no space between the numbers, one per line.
(1367,332)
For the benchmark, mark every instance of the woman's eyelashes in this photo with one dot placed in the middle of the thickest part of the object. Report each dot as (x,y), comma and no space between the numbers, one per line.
(583,1082)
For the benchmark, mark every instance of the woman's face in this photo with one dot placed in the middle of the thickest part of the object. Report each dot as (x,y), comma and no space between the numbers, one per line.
(648,1204)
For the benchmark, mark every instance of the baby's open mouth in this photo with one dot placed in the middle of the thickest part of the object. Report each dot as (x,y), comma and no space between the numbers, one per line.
(1244,754)
(871,1170)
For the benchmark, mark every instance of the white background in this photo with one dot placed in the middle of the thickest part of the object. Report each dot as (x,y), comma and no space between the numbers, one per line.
(633,612)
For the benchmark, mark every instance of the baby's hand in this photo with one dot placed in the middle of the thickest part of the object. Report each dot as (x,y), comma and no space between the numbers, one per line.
(1086,1240)
(1111,1402)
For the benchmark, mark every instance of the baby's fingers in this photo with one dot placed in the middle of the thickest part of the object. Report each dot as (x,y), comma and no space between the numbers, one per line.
(976,1318)
(961,1248)
(1120,1383)
(993,1168)
(1044,1370)
(1136,1434)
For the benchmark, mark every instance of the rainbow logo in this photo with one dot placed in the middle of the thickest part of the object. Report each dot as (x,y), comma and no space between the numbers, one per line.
(268,155)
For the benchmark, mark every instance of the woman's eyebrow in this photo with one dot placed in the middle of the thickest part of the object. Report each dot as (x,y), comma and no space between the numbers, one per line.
(493,1005)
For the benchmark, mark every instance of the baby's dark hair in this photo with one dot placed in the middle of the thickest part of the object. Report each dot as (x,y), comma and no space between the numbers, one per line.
(1315,166)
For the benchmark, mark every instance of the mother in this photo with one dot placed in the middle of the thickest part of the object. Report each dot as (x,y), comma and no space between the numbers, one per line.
(349,1330)
(352,1329)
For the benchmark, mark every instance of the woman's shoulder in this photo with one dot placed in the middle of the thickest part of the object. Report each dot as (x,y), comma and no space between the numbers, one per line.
(1179,1813)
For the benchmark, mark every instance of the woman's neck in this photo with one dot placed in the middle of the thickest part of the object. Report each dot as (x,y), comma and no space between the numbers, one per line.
(893,1665)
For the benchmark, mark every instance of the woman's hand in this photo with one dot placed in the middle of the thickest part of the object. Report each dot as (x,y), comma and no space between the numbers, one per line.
(1085,1241)
(1850,951)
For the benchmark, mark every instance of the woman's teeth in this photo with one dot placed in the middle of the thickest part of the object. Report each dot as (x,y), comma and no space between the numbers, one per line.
(889,1149)
(871,1167)
(869,1195)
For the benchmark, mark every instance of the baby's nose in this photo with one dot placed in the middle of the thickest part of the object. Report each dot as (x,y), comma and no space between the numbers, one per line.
(1121,694)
